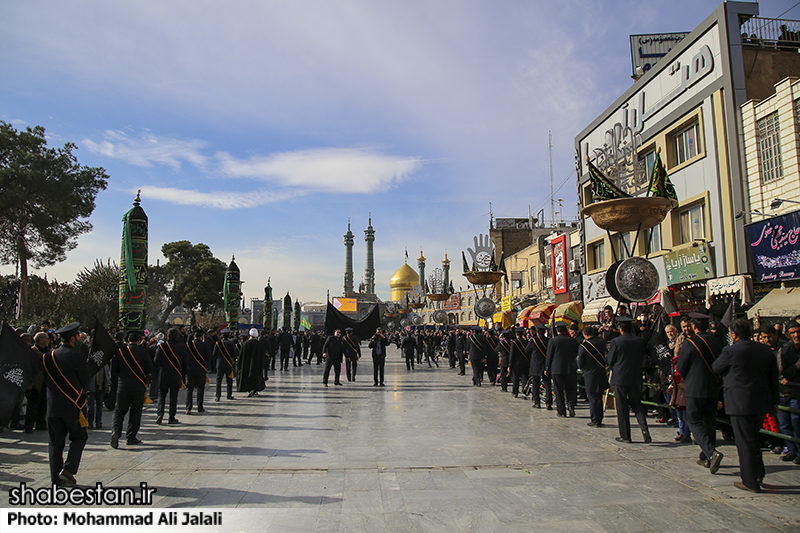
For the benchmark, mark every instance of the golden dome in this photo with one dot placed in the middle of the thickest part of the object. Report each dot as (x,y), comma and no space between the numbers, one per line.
(402,281)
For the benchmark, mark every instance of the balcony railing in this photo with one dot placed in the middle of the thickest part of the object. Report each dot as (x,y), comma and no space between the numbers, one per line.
(771,33)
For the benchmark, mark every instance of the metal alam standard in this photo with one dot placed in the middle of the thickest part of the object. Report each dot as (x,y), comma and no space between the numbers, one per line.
(133,268)
(232,291)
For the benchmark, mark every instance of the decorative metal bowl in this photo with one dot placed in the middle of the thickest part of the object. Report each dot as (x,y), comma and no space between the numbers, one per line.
(626,214)
(416,305)
(391,315)
(440,316)
(438,296)
(484,278)
(485,308)
(637,279)
(404,311)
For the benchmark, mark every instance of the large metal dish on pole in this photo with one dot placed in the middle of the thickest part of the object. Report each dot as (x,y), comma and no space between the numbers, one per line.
(628,214)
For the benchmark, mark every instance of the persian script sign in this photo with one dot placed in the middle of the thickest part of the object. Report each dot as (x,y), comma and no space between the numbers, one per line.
(775,247)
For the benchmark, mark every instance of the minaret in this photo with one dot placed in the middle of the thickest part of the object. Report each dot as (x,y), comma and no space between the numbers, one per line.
(348,261)
(421,265)
(369,274)
(446,269)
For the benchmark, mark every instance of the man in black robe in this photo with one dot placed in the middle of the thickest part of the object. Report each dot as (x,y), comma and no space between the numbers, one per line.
(250,366)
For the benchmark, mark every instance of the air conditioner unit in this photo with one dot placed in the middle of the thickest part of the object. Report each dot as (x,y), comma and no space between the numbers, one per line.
(574,266)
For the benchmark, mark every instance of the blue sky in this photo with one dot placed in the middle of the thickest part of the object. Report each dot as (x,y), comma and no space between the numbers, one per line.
(259,127)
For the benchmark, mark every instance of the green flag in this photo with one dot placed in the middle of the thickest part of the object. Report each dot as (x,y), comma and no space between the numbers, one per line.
(602,187)
(127,250)
(659,181)
(305,323)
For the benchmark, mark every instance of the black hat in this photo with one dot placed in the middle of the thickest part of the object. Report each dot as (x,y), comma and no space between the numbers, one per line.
(623,319)
(700,316)
(348,329)
(575,326)
(520,331)
(542,327)
(70,330)
(224,330)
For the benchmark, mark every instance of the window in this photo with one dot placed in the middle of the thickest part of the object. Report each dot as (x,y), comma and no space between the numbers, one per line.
(686,143)
(623,244)
(654,243)
(769,148)
(533,276)
(692,223)
(599,255)
(470,315)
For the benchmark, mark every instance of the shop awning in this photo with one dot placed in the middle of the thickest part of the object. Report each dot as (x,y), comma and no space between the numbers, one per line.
(730,285)
(503,318)
(594,307)
(778,303)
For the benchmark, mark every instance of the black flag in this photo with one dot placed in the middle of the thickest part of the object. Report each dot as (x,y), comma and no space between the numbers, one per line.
(730,314)
(101,349)
(657,344)
(19,364)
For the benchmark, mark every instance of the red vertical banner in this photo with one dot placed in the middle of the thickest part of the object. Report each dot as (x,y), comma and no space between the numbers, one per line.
(559,258)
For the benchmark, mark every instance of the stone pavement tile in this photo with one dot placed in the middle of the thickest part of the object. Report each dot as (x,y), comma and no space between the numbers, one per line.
(616,518)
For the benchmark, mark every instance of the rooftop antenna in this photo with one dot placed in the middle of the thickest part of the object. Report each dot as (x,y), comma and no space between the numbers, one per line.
(491,216)
(552,204)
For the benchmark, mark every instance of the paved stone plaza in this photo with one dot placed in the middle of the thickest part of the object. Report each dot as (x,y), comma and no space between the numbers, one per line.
(428,452)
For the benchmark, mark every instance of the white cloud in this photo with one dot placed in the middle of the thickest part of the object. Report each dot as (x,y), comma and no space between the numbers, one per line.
(341,170)
(148,150)
(219,199)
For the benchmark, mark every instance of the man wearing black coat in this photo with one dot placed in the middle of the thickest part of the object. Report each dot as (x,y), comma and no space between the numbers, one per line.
(750,380)
(250,366)
(790,395)
(285,343)
(316,348)
(170,361)
(352,353)
(561,365)
(698,353)
(333,352)
(196,371)
(537,351)
(66,377)
(477,356)
(504,350)
(451,349)
(132,366)
(626,355)
(378,344)
(492,360)
(409,346)
(461,347)
(224,357)
(519,362)
(592,361)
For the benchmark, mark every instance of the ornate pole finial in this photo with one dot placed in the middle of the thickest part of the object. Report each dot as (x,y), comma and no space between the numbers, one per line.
(138,199)
(233,257)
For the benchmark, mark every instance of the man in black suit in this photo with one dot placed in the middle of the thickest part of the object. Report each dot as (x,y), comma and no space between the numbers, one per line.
(626,355)
(196,371)
(519,362)
(537,351)
(285,343)
(790,396)
(316,347)
(132,367)
(378,344)
(170,360)
(477,343)
(451,349)
(225,356)
(332,352)
(461,347)
(409,345)
(66,377)
(592,361)
(504,350)
(352,353)
(492,359)
(750,380)
(561,365)
(698,353)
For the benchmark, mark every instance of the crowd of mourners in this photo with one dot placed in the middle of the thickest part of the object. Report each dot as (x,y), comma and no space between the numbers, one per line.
(695,375)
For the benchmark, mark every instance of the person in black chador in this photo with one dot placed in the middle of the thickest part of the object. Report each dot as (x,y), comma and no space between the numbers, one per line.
(131,366)
(332,352)
(66,377)
(251,366)
(170,360)
(196,371)
(224,357)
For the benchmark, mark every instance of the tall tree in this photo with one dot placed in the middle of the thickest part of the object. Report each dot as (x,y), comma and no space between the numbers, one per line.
(193,278)
(96,294)
(46,198)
